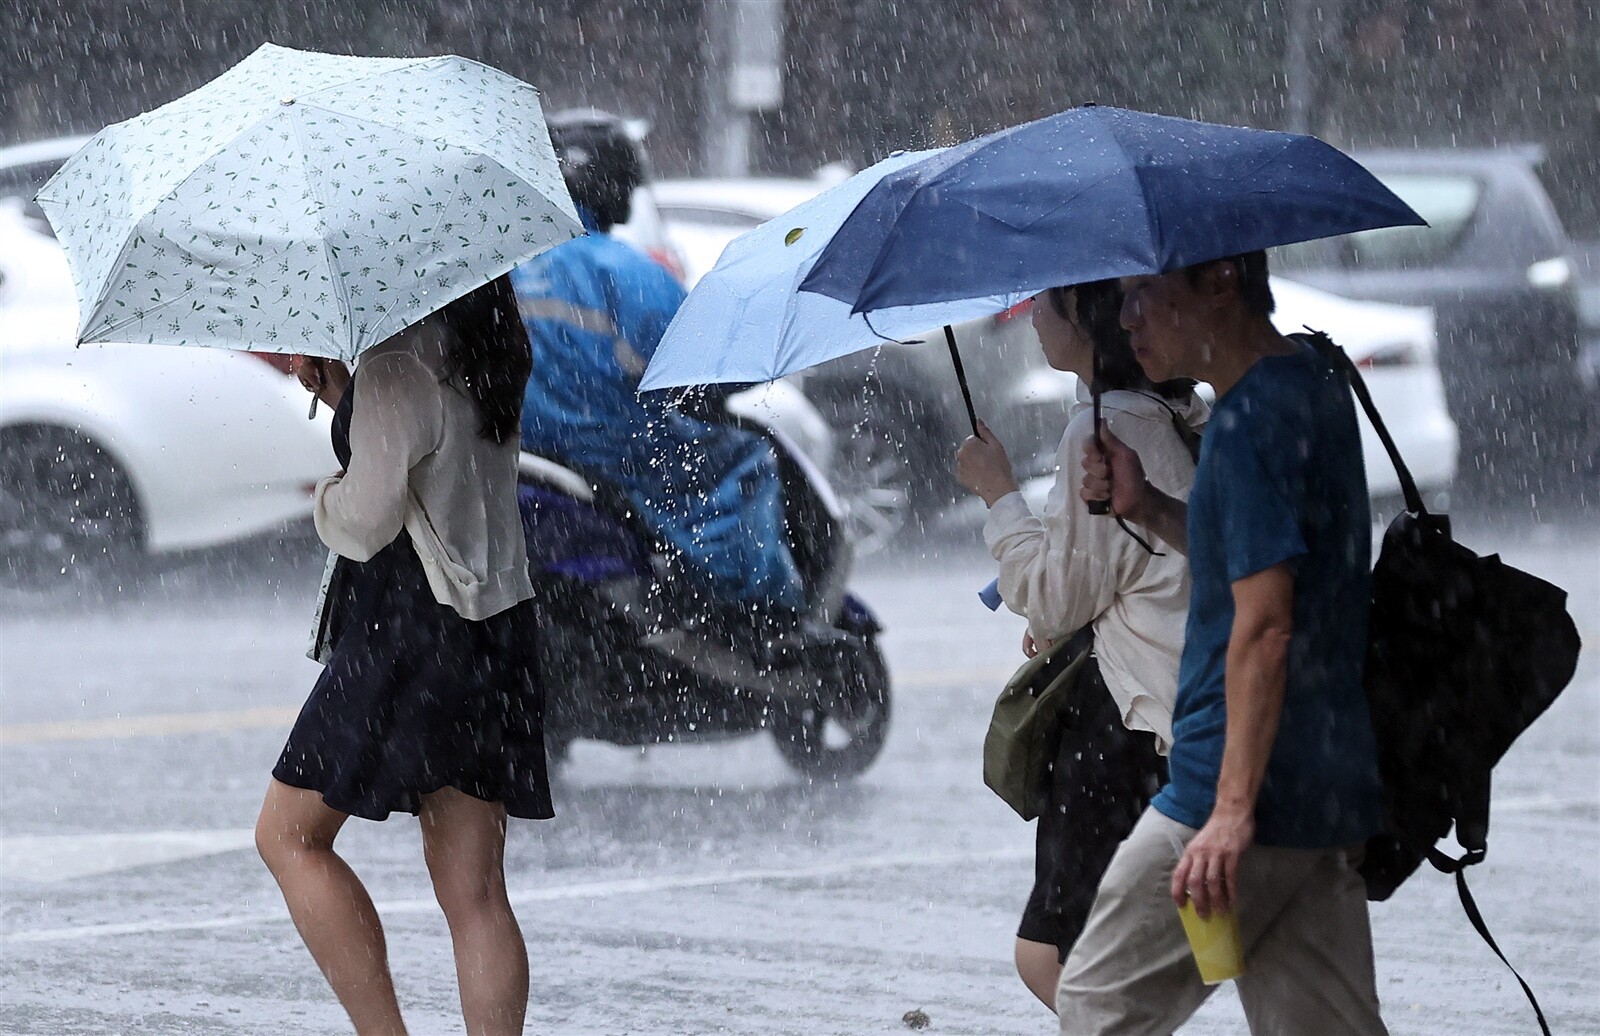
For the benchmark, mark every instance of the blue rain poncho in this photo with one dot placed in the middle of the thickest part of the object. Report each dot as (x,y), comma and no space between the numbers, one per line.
(595,309)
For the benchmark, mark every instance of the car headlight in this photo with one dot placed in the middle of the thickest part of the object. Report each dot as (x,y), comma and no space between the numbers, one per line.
(1550,274)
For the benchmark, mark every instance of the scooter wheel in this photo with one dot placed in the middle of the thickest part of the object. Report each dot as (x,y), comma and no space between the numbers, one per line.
(838,731)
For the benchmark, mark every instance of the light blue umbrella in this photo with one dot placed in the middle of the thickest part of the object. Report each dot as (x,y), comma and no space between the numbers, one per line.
(747,321)
(308,203)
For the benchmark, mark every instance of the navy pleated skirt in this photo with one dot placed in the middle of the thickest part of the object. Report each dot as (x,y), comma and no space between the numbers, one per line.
(415,699)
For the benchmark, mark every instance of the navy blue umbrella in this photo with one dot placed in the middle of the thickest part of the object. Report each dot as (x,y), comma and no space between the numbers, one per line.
(1088,194)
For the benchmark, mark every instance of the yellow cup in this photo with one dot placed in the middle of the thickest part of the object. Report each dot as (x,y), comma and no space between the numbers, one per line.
(1214,941)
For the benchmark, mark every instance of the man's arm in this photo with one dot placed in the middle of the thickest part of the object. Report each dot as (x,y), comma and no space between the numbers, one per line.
(1257,667)
(1115,473)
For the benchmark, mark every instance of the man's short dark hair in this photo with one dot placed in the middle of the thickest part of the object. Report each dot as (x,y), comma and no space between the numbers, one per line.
(1254,286)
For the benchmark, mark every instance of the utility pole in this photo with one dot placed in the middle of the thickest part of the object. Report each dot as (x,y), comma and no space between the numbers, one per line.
(744,75)
(1297,64)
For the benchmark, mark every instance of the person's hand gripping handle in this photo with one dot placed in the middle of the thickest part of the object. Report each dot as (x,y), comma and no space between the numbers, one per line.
(1099,504)
(324,379)
(1113,478)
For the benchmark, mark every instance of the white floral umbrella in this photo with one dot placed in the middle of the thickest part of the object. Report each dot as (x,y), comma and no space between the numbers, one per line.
(308,203)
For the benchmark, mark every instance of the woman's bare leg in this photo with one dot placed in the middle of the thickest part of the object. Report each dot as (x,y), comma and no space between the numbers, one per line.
(1039,964)
(464,841)
(330,907)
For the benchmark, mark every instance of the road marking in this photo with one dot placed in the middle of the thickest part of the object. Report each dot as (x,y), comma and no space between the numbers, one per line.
(170,723)
(1546,804)
(584,890)
(54,858)
(156,725)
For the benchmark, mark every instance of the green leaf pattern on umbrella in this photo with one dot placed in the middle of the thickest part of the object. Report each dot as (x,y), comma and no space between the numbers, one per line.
(308,203)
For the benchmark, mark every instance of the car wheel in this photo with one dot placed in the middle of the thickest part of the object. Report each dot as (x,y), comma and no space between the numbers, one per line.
(890,469)
(68,516)
(837,730)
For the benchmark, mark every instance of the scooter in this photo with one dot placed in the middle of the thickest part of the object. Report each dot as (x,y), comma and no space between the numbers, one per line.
(631,657)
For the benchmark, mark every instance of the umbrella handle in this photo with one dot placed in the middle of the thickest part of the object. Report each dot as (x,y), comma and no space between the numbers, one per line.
(961,376)
(1098,506)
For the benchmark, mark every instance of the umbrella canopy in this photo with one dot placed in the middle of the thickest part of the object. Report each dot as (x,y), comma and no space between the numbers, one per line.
(308,203)
(746,322)
(1088,194)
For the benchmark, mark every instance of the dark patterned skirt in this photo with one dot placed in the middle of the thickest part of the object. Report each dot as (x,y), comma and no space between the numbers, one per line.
(1103,777)
(415,698)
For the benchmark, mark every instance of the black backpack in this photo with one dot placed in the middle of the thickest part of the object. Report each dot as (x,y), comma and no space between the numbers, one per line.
(1463,653)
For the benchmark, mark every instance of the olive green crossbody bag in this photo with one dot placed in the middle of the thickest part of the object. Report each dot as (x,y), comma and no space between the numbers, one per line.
(1026,726)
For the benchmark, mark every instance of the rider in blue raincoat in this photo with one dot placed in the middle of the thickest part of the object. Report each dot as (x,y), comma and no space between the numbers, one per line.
(595,309)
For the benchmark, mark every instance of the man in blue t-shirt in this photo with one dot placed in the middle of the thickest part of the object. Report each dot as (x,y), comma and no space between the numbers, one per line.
(1274,780)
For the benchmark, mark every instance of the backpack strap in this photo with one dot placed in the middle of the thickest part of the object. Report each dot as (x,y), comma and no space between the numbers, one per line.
(1470,905)
(1341,361)
(1190,437)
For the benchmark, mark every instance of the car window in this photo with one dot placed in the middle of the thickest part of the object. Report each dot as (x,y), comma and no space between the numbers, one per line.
(710,217)
(1447,201)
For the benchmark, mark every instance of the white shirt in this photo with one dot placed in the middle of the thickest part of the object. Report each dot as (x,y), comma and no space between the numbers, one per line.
(417,463)
(1067,568)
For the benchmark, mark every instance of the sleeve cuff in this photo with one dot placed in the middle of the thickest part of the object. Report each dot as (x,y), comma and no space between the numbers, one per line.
(1008,513)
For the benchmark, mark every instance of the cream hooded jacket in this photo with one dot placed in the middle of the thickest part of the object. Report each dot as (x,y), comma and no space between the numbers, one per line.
(1066,568)
(417,463)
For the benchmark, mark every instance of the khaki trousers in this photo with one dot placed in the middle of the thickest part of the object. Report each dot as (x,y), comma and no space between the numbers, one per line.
(1302,920)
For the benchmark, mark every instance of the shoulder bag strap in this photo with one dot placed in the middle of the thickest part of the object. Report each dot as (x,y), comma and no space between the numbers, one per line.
(1340,360)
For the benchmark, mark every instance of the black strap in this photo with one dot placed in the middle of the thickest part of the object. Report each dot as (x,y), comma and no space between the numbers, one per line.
(1408,485)
(1189,436)
(1471,907)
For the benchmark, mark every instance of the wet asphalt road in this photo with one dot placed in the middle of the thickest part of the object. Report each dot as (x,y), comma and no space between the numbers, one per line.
(686,889)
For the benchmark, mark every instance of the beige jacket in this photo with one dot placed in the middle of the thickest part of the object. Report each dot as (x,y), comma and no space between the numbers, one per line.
(417,463)
(1066,568)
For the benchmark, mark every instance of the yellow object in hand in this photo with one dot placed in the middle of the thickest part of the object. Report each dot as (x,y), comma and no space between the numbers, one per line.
(1214,941)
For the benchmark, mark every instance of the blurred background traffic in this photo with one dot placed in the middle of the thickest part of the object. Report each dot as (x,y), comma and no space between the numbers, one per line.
(1479,335)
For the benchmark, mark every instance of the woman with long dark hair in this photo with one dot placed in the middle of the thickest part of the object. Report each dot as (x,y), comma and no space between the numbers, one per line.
(429,702)
(1077,576)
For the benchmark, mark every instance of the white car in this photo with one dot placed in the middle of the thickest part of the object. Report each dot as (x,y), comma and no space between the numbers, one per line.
(113,451)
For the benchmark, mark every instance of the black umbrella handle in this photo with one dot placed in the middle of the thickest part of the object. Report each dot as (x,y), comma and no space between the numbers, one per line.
(1098,506)
(961,376)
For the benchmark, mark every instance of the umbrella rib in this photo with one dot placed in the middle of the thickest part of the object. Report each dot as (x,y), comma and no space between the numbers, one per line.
(314,184)
(378,319)
(377,117)
(1149,215)
(143,315)
(211,156)
(117,264)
